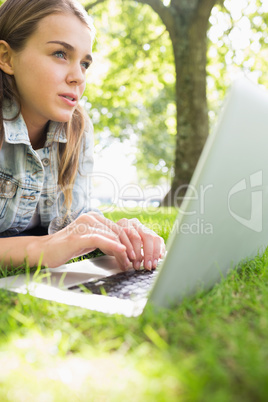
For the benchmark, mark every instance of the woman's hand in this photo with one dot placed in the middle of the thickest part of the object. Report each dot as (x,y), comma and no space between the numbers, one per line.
(127,240)
(145,243)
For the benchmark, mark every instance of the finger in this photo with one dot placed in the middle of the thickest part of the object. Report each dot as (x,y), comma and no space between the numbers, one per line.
(136,242)
(86,236)
(126,240)
(108,245)
(119,230)
(95,231)
(148,250)
(87,222)
(153,245)
(163,248)
(133,236)
(148,243)
(156,250)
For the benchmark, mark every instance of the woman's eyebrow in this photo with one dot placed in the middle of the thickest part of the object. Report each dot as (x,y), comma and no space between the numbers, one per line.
(70,47)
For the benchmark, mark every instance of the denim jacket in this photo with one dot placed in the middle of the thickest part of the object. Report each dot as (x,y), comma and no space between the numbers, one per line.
(29,178)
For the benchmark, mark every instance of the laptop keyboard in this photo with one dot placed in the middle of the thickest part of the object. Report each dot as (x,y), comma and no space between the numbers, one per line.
(125,285)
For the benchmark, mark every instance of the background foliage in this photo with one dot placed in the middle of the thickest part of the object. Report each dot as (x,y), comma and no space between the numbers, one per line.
(133,97)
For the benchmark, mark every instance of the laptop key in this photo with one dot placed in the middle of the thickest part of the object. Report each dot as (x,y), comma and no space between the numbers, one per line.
(125,285)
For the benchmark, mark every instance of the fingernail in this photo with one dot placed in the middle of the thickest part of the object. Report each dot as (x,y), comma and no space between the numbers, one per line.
(149,265)
(133,255)
(155,263)
(137,265)
(127,262)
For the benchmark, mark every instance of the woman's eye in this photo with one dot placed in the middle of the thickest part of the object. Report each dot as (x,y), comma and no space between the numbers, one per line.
(85,64)
(60,54)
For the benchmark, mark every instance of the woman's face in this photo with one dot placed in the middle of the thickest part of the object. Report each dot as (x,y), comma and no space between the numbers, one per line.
(50,72)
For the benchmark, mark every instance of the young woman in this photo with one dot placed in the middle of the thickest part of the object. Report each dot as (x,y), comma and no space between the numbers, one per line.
(46,143)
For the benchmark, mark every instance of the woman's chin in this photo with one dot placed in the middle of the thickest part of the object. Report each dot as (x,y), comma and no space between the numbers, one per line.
(63,119)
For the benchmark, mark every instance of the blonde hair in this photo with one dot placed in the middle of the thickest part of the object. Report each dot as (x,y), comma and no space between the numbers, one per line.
(18,21)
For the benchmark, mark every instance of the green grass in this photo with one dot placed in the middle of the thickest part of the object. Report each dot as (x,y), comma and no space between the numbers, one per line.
(211,348)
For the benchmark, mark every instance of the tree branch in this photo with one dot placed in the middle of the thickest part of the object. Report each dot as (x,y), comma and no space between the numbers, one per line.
(164,12)
(205,7)
(156,5)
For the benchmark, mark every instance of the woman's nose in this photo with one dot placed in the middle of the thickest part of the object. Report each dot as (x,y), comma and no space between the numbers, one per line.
(76,75)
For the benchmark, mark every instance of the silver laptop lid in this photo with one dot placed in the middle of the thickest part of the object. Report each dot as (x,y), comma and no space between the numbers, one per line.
(224,216)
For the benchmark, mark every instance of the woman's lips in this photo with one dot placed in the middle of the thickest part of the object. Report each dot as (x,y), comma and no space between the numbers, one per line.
(69,99)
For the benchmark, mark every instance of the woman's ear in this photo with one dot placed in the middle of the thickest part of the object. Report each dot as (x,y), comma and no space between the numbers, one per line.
(6,64)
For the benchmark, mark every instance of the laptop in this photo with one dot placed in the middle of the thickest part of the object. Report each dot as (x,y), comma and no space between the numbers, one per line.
(222,221)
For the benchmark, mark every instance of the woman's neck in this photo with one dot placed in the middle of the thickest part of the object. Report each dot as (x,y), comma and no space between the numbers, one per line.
(37,132)
(38,137)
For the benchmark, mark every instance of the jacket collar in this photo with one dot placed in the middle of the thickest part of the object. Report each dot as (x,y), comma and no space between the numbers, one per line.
(16,130)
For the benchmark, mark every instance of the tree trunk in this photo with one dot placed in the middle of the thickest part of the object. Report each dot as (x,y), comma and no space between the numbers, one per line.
(189,39)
